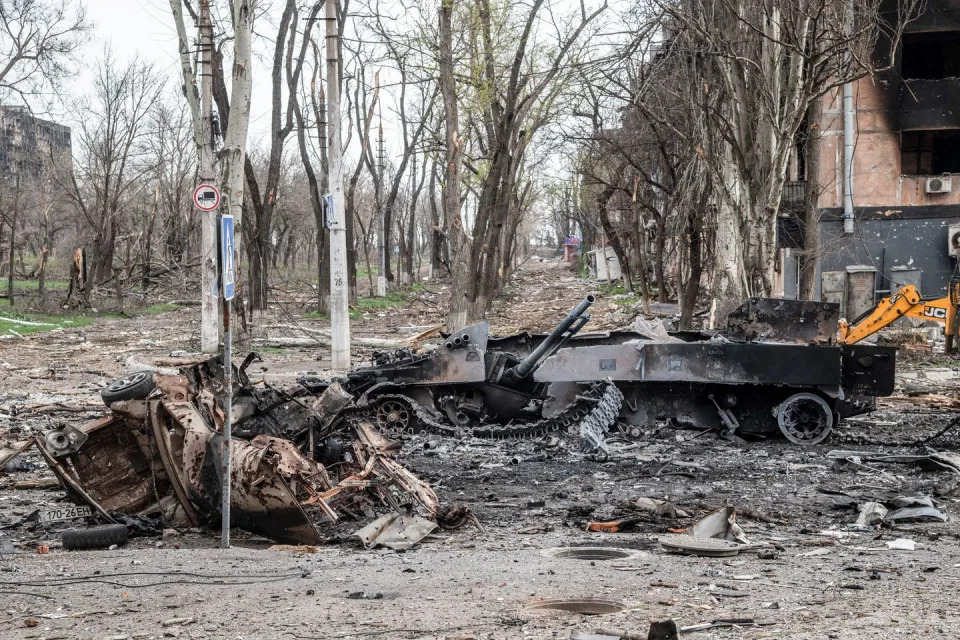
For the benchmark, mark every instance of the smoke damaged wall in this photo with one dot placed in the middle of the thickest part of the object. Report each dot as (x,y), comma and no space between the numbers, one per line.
(884,240)
(921,91)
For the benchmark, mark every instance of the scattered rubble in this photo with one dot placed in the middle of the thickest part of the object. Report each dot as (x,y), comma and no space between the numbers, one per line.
(807,565)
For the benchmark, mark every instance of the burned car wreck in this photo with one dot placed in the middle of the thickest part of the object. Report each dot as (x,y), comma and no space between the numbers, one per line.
(158,455)
(777,367)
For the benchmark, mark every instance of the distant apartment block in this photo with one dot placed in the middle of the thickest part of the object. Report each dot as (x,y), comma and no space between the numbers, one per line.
(30,144)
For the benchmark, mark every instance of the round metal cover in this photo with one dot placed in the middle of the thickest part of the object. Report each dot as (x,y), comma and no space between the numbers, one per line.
(589,553)
(710,547)
(583,606)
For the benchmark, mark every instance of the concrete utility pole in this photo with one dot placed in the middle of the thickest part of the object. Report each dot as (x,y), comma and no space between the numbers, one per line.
(209,310)
(339,288)
(848,137)
(381,231)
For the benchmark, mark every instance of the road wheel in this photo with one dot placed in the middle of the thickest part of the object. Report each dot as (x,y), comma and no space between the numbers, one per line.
(805,418)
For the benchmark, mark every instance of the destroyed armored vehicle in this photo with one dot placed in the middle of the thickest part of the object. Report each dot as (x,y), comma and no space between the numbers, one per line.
(776,367)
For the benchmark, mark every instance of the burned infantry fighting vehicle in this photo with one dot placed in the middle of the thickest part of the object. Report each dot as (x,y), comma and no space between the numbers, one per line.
(776,367)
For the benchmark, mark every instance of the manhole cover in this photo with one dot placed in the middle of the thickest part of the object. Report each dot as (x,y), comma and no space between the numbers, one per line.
(711,547)
(589,553)
(585,606)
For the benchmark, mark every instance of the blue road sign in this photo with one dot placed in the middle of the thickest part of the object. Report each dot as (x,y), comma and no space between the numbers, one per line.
(331,218)
(227,268)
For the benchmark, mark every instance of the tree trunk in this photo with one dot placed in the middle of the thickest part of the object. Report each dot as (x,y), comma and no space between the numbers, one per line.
(42,275)
(729,287)
(14,214)
(436,232)
(613,238)
(691,288)
(810,255)
(233,154)
(659,267)
(641,248)
(461,301)
(148,242)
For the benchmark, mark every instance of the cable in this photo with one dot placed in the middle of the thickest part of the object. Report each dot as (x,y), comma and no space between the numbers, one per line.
(242,579)
(26,593)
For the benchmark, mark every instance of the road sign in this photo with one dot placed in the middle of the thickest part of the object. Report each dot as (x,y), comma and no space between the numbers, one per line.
(331,214)
(206,197)
(227,270)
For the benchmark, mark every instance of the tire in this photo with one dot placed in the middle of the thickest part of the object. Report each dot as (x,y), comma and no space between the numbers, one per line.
(99,537)
(135,386)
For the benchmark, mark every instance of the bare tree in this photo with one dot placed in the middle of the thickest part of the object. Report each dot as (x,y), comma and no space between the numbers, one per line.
(770,61)
(518,88)
(112,124)
(37,40)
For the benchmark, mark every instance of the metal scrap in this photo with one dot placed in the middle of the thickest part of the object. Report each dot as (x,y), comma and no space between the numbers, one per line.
(169,469)
(397,531)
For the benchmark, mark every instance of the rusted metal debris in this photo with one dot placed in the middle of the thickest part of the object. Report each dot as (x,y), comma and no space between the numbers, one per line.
(160,455)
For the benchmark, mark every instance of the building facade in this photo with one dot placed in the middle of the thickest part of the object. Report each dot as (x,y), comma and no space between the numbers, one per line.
(906,166)
(29,143)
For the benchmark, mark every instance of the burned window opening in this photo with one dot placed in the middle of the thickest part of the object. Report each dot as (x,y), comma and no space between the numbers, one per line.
(930,152)
(931,56)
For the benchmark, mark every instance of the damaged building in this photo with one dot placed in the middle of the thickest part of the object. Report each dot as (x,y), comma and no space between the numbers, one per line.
(906,169)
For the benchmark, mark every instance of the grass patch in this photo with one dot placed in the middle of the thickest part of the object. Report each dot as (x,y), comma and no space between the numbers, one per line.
(612,289)
(279,351)
(373,304)
(392,299)
(50,322)
(626,300)
(33,285)
(162,307)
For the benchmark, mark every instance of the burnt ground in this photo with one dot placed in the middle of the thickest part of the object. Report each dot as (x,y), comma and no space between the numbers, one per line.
(813,578)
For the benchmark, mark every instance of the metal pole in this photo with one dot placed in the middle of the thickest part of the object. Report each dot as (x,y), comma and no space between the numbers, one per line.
(209,334)
(227,426)
(339,290)
(382,248)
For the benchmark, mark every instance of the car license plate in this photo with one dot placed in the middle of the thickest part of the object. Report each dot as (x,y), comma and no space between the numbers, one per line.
(64,513)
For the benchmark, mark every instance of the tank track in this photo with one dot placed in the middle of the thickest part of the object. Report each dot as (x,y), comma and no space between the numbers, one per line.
(430,422)
(596,409)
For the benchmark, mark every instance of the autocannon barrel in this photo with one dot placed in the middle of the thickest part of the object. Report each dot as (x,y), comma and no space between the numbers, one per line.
(573,322)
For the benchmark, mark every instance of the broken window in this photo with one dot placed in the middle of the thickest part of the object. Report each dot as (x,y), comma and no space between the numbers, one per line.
(931,56)
(929,152)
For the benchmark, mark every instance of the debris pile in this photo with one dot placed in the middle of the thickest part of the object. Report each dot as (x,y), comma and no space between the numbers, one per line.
(158,456)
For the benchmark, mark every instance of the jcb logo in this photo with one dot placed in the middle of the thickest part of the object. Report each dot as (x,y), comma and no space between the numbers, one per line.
(935,312)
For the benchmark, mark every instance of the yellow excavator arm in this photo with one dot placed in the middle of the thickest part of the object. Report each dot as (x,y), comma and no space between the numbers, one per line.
(905,302)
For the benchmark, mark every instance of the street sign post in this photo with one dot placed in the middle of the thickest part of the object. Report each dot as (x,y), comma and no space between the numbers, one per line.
(227,251)
(206,197)
(227,290)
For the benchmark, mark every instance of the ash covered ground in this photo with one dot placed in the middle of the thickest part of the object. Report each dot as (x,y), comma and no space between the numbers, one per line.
(806,574)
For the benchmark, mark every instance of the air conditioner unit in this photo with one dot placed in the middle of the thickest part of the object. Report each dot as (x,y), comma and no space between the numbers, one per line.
(953,240)
(939,185)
